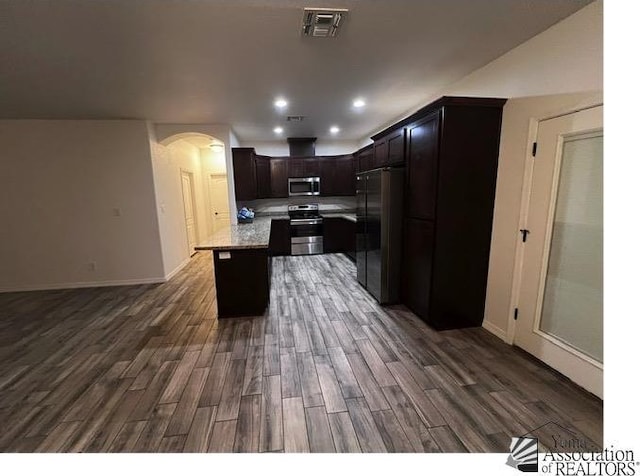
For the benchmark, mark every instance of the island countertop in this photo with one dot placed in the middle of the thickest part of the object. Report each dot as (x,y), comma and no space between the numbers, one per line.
(238,237)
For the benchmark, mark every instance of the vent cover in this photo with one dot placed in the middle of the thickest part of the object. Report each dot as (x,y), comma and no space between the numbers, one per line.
(295,118)
(322,22)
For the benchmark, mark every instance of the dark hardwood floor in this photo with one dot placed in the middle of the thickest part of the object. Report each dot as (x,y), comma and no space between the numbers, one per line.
(150,369)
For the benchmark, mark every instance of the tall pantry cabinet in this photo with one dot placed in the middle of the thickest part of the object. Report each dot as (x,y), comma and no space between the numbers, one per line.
(451,160)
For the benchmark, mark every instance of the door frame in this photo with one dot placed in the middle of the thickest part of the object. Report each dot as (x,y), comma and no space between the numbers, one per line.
(191,175)
(209,176)
(527,184)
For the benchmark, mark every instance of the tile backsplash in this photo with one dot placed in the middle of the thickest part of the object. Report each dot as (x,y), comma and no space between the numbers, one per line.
(273,206)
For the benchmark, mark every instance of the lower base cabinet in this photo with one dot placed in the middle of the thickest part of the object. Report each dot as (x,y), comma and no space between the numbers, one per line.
(339,236)
(242,281)
(280,238)
(418,263)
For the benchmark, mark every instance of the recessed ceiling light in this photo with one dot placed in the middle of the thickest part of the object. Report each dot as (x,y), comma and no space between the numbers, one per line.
(280,103)
(278,130)
(358,103)
(334,129)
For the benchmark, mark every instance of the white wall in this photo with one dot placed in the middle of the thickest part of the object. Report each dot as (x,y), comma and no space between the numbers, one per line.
(515,143)
(168,163)
(222,132)
(75,193)
(186,157)
(281,148)
(554,65)
(213,159)
(566,58)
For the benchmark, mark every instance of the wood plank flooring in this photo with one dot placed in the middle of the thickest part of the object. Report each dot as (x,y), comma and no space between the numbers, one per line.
(151,369)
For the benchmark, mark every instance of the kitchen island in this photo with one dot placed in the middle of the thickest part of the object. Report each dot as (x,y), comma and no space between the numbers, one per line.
(241,267)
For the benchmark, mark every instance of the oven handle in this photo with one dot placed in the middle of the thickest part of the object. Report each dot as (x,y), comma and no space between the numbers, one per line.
(306,221)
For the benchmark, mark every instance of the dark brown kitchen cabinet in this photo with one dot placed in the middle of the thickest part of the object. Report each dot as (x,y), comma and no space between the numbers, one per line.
(296,167)
(422,179)
(380,153)
(327,176)
(311,167)
(280,238)
(395,147)
(244,173)
(451,166)
(259,176)
(279,174)
(337,175)
(365,158)
(339,235)
(346,175)
(242,280)
(263,176)
(389,149)
(418,261)
(303,167)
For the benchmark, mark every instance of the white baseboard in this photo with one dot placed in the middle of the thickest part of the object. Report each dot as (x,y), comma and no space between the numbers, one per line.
(95,284)
(495,330)
(177,269)
(83,284)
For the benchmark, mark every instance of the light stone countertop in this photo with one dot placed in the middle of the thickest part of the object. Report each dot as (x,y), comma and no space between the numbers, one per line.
(252,235)
(346,216)
(238,237)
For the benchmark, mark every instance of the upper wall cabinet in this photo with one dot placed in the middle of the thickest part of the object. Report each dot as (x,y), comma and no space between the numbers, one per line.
(388,149)
(279,168)
(303,166)
(263,177)
(365,158)
(422,149)
(244,173)
(337,175)
(259,176)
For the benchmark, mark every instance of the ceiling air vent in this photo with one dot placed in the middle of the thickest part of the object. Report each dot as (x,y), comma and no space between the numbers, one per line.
(295,118)
(322,22)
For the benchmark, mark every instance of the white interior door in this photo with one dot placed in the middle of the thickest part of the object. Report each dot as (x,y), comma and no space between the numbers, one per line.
(560,318)
(189,210)
(218,201)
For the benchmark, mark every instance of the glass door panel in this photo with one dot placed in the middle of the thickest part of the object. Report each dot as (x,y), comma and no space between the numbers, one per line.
(572,303)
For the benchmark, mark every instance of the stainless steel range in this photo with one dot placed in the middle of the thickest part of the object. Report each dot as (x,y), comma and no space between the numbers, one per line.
(306,229)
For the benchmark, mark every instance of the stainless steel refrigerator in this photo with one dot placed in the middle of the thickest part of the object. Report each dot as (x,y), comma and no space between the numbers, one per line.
(379,232)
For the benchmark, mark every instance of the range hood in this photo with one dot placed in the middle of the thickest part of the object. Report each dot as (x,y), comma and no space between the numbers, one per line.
(302,146)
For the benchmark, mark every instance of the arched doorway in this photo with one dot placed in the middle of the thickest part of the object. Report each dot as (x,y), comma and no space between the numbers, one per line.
(192,189)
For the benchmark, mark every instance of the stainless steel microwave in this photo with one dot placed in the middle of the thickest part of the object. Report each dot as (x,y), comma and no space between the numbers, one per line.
(304,186)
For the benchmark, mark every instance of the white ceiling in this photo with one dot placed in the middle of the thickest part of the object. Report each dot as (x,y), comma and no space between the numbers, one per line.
(208,61)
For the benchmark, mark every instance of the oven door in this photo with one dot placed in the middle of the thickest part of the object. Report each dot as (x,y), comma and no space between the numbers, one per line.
(306,236)
(304,187)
